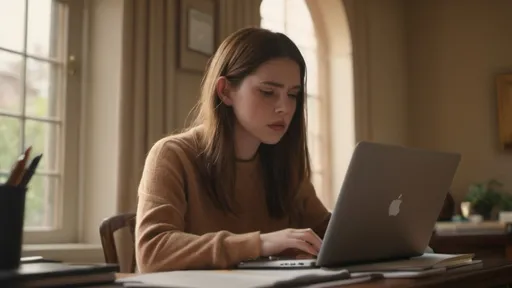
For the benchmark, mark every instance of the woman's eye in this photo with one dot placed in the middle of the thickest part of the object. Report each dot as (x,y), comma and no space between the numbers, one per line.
(267,93)
(293,95)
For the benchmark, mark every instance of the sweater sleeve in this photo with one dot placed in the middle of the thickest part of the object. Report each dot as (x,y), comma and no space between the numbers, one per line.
(161,243)
(313,213)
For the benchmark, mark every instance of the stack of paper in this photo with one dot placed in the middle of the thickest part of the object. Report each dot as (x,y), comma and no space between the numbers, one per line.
(242,278)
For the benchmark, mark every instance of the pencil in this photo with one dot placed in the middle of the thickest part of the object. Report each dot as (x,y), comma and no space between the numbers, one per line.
(29,172)
(19,168)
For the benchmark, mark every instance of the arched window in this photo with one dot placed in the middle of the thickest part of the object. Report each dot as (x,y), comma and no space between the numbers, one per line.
(292,17)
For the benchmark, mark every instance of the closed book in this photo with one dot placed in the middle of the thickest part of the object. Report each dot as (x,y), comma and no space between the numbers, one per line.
(57,275)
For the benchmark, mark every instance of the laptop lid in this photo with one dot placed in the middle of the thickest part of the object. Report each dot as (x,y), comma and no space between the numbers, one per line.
(388,204)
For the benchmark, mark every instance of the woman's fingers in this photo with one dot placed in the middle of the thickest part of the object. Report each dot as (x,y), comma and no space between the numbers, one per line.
(314,239)
(304,246)
(316,236)
(309,236)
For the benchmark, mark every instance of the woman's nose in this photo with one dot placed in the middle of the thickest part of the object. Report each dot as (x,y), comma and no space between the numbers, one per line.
(284,104)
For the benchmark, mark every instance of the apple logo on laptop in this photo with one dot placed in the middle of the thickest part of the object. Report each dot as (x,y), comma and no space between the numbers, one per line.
(394,207)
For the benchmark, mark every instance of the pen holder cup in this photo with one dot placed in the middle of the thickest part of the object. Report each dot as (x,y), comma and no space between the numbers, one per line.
(12,212)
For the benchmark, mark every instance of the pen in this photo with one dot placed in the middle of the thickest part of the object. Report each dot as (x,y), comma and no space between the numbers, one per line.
(30,171)
(19,168)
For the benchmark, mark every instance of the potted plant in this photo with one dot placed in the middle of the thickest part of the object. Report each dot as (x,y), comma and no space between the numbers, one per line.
(485,197)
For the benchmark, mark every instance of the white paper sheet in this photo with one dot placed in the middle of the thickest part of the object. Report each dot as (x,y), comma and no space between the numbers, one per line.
(226,278)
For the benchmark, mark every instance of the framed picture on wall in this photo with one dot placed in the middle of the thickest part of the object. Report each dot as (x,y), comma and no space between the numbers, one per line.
(197,33)
(504,103)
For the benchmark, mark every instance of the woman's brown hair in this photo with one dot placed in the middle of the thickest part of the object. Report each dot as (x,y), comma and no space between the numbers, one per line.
(286,164)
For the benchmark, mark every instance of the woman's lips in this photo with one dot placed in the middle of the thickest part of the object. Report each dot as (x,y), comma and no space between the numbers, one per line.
(277,127)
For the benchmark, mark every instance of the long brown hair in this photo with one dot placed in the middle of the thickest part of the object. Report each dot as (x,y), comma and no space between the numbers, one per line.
(286,164)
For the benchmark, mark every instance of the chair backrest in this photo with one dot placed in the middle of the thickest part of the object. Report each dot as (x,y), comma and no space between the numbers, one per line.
(118,240)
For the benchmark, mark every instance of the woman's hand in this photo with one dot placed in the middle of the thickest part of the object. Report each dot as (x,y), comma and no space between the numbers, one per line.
(302,239)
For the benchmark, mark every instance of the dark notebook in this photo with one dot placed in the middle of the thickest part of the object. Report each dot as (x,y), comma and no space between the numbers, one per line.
(58,275)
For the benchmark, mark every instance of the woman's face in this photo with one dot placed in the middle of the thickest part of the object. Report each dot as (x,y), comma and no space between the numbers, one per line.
(266,100)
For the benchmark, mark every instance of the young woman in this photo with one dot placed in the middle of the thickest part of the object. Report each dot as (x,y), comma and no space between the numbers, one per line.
(235,186)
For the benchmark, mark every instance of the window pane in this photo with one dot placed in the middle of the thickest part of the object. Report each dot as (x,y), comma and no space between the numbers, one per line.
(43,27)
(301,38)
(42,89)
(12,24)
(11,81)
(298,17)
(271,25)
(43,137)
(272,10)
(40,202)
(10,146)
(311,58)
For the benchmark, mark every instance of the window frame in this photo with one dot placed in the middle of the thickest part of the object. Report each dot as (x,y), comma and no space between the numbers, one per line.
(67,215)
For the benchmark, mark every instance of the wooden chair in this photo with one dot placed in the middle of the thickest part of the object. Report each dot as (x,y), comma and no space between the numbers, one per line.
(118,240)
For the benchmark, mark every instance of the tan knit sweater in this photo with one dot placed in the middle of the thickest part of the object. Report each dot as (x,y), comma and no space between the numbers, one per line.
(178,227)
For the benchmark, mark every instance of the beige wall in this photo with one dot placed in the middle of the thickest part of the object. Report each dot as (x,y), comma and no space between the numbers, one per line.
(455,49)
(386,69)
(380,62)
(426,70)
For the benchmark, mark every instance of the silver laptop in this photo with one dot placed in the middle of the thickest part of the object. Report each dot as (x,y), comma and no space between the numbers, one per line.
(387,208)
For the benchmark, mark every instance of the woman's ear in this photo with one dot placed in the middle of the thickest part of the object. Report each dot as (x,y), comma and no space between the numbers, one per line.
(223,91)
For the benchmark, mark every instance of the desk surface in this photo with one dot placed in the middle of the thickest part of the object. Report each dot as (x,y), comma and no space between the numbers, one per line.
(494,273)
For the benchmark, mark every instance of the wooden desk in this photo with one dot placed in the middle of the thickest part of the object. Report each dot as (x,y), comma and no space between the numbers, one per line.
(494,273)
(485,246)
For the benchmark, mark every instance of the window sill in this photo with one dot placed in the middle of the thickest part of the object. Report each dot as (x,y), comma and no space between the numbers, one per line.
(66,252)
